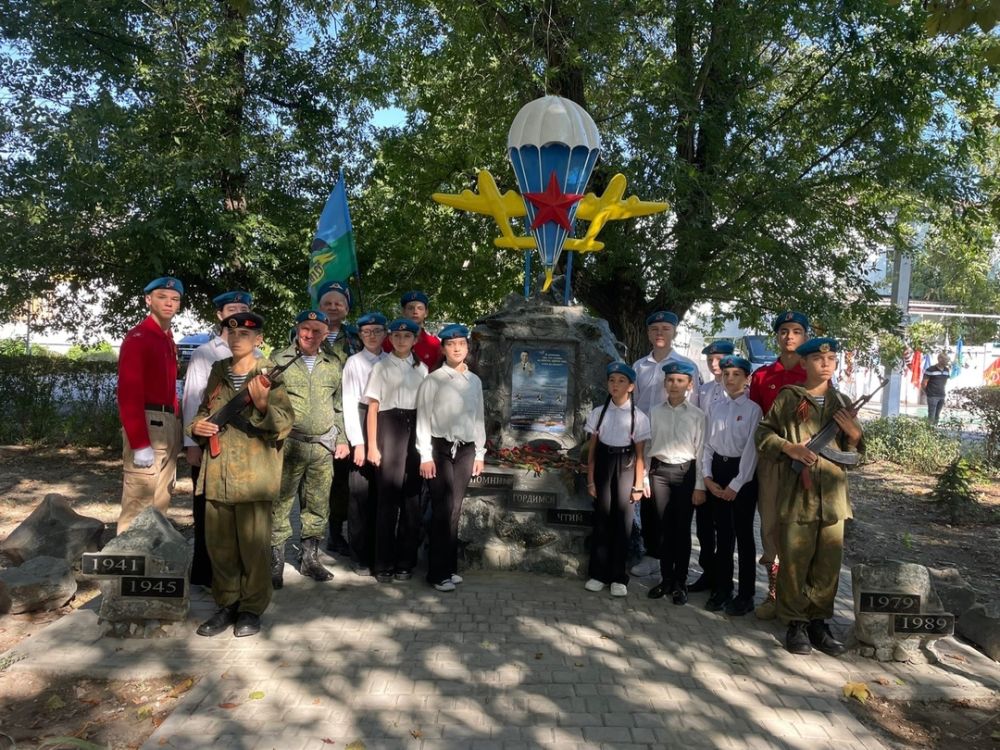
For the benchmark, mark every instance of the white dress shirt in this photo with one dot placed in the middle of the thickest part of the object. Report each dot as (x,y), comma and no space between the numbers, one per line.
(649,391)
(617,425)
(450,406)
(196,378)
(394,382)
(355,379)
(677,435)
(709,393)
(732,423)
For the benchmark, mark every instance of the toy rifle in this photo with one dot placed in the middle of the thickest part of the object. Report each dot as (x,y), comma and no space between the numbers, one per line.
(821,442)
(239,402)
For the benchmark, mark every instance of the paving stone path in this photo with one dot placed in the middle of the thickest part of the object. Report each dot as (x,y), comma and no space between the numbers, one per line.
(509,660)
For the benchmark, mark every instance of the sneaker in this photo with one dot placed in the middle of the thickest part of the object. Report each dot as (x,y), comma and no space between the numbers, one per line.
(645,567)
(739,606)
(619,589)
(718,600)
(456,578)
(658,591)
(593,585)
(445,585)
(797,639)
(383,577)
(403,575)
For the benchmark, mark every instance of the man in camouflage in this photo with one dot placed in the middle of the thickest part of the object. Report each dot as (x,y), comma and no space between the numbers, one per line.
(313,384)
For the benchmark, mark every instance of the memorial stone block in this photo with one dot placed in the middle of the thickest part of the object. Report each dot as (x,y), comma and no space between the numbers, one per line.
(40,584)
(53,529)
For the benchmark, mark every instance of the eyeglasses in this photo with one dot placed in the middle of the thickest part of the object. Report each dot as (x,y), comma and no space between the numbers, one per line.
(369,331)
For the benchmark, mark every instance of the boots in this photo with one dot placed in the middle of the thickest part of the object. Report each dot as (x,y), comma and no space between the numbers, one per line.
(310,566)
(277,567)
(768,609)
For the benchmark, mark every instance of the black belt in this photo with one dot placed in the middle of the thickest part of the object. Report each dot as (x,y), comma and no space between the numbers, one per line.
(160,407)
(655,463)
(725,458)
(616,450)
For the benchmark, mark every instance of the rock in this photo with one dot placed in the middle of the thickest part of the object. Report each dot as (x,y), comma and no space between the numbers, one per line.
(167,556)
(957,596)
(40,584)
(5,601)
(53,529)
(873,629)
(981,625)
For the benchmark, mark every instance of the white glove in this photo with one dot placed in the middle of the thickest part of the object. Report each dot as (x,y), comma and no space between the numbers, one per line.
(143,458)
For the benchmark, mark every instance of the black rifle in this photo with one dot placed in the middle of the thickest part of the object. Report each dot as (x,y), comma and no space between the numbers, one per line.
(820,442)
(239,402)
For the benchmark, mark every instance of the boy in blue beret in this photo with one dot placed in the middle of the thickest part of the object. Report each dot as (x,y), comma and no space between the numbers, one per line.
(661,328)
(428,346)
(813,504)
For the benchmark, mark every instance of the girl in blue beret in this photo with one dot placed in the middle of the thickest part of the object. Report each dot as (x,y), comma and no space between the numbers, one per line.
(615,470)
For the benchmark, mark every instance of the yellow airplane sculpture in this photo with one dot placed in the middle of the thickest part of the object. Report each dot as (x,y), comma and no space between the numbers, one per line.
(596,210)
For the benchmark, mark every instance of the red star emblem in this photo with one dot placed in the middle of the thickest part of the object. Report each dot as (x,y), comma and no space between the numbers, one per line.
(552,205)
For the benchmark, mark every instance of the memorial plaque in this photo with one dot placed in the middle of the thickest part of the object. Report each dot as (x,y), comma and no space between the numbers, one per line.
(569,517)
(533,500)
(152,588)
(492,480)
(539,390)
(927,624)
(889,603)
(98,564)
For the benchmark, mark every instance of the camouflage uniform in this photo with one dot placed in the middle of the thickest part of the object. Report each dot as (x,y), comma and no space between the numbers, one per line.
(308,466)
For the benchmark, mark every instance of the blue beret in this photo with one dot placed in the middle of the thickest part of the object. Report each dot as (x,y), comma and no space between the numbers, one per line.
(453,331)
(232,298)
(662,316)
(620,368)
(335,286)
(718,347)
(307,315)
(244,320)
(165,282)
(790,316)
(732,360)
(818,344)
(414,296)
(678,368)
(404,324)
(372,319)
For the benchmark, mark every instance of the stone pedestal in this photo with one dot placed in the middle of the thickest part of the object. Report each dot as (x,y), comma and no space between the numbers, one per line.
(543,370)
(153,596)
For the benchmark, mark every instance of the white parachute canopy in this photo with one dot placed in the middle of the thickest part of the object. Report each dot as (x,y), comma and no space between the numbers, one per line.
(553,119)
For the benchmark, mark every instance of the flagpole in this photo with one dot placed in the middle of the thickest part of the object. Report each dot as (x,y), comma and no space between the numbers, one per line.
(354,250)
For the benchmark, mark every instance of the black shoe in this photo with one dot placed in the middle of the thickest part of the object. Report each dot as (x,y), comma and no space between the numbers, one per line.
(219,622)
(403,575)
(822,639)
(247,623)
(310,566)
(277,567)
(797,639)
(337,544)
(679,595)
(658,591)
(739,606)
(383,577)
(718,600)
(702,584)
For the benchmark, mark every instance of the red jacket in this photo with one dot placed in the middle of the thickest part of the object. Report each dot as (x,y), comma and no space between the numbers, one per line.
(768,380)
(147,374)
(427,349)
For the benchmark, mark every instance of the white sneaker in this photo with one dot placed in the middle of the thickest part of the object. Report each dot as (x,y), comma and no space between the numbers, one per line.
(619,589)
(456,578)
(645,567)
(445,585)
(593,585)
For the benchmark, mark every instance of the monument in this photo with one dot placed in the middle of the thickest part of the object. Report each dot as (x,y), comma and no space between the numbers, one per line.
(542,363)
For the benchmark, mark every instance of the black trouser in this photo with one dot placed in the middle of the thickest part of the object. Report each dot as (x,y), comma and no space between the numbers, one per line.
(447,489)
(614,474)
(340,495)
(363,506)
(704,529)
(201,563)
(651,529)
(672,486)
(733,523)
(397,520)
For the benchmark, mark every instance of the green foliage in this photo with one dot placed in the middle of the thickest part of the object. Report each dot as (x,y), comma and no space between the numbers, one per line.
(984,405)
(911,443)
(100,351)
(17,347)
(58,401)
(925,335)
(955,490)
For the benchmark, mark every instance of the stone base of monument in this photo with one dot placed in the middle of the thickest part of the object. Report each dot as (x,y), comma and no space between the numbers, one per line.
(898,615)
(143,576)
(145,629)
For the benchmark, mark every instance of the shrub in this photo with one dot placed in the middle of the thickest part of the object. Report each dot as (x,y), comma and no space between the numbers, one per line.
(58,401)
(955,491)
(984,404)
(909,442)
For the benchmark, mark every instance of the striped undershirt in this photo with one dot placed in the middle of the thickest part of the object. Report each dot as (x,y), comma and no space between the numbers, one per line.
(238,380)
(310,361)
